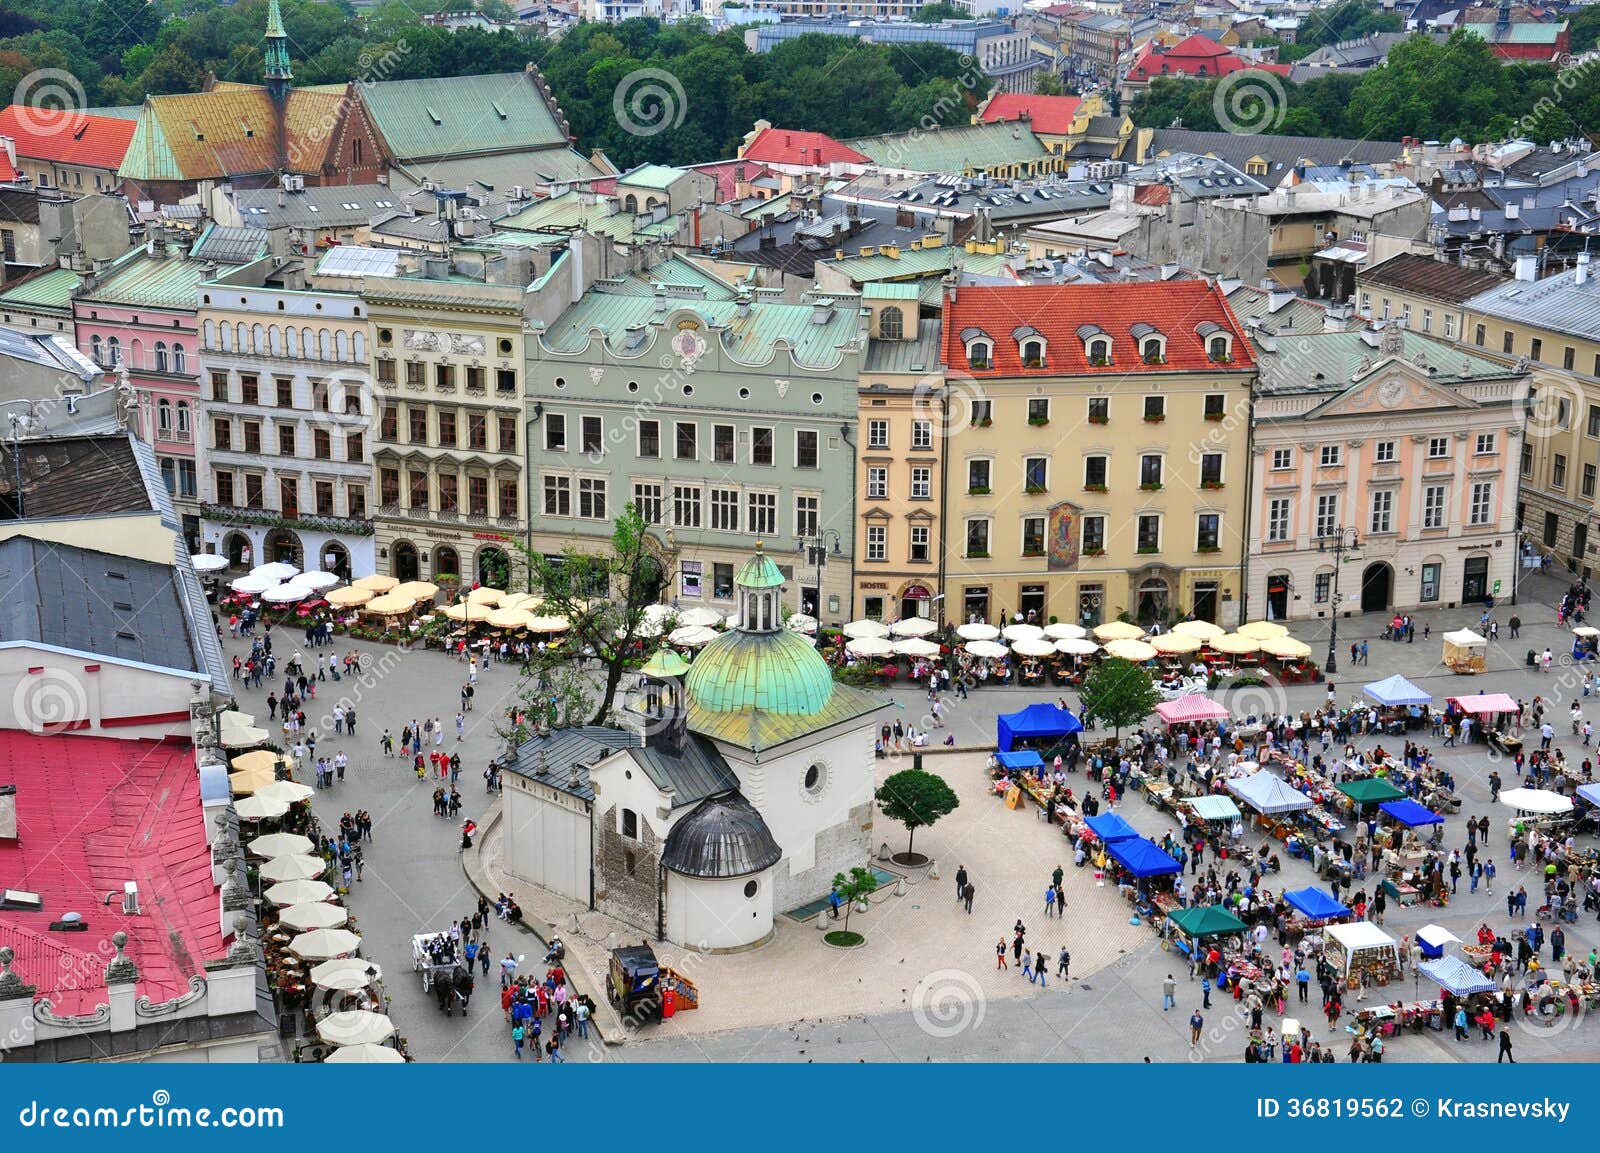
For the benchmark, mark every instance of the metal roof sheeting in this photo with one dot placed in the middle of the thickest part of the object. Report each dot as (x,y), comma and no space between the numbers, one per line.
(448,115)
(723,837)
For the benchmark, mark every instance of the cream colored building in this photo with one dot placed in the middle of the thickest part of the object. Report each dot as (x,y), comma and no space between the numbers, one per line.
(900,461)
(1098,462)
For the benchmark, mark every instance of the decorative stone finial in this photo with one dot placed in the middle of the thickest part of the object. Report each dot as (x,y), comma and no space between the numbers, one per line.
(243,949)
(11,986)
(234,895)
(121,971)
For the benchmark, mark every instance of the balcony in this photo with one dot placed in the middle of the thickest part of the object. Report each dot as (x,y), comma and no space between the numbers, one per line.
(273,518)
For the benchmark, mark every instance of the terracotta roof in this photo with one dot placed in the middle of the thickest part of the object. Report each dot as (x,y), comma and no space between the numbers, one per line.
(1049,114)
(723,171)
(1062,312)
(230,131)
(92,814)
(67,137)
(1153,195)
(1189,56)
(1409,272)
(782,146)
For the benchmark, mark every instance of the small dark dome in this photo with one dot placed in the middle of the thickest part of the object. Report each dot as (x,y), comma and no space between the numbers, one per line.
(721,837)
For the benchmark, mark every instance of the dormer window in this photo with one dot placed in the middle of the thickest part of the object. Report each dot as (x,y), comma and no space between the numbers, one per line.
(1152,343)
(1030,346)
(1096,344)
(979,346)
(1218,342)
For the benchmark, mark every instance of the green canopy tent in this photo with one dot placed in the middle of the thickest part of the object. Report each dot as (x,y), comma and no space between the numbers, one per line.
(1206,921)
(1372,791)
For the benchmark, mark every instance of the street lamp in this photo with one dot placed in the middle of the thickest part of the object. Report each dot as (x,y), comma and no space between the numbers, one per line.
(816,550)
(1337,540)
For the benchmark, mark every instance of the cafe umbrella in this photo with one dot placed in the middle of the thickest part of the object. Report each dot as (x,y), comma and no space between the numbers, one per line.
(298,892)
(278,845)
(977,631)
(296,868)
(346,974)
(355,1027)
(366,1054)
(314,915)
(259,809)
(322,944)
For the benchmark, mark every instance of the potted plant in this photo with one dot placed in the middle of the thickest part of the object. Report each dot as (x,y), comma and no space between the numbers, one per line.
(1209,548)
(985,421)
(976,555)
(1099,418)
(1036,489)
(1154,417)
(1146,549)
(1212,485)
(1094,488)
(1038,421)
(978,490)
(1100,361)
(1094,552)
(1033,552)
(1151,486)
(1214,416)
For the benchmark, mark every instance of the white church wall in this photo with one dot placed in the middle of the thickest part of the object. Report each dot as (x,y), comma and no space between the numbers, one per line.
(719,914)
(546,837)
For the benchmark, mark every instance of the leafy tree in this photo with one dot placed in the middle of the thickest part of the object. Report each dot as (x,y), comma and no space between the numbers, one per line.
(937,11)
(916,798)
(857,886)
(114,25)
(1119,693)
(1048,84)
(604,595)
(498,10)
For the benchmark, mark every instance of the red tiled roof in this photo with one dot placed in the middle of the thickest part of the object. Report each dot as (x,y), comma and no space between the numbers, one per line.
(8,171)
(64,137)
(813,149)
(1153,195)
(723,171)
(93,813)
(1189,56)
(1174,308)
(1048,114)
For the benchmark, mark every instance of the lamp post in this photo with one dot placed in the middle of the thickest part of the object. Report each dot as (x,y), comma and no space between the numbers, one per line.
(1337,540)
(816,549)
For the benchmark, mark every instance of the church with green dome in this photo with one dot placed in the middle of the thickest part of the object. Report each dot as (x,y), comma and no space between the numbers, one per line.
(749,788)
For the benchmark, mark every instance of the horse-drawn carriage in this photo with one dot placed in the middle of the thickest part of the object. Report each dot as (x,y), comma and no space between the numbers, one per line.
(445,972)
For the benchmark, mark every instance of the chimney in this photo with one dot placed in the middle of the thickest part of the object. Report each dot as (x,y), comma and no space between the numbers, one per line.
(1581,276)
(130,897)
(1513,210)
(1527,267)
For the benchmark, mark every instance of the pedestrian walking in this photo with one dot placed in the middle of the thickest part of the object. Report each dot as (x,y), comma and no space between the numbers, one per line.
(968,893)
(1169,993)
(1196,1023)
(961,881)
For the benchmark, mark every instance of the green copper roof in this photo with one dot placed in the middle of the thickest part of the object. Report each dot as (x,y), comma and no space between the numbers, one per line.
(442,116)
(275,57)
(51,289)
(664,664)
(657,176)
(759,572)
(776,672)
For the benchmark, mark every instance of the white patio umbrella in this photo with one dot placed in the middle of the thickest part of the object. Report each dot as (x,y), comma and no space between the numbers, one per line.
(987,650)
(316,580)
(916,647)
(1263,630)
(857,630)
(298,892)
(314,915)
(699,615)
(1235,644)
(913,627)
(801,623)
(1022,632)
(1205,630)
(869,647)
(693,636)
(1117,631)
(345,974)
(1131,650)
(296,868)
(322,944)
(1062,631)
(1033,647)
(247,737)
(278,845)
(285,594)
(277,570)
(364,1055)
(355,1026)
(1540,801)
(977,631)
(1175,643)
(208,562)
(254,584)
(259,809)
(1077,647)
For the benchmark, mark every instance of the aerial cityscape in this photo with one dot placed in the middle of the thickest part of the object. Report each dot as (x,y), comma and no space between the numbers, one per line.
(879,531)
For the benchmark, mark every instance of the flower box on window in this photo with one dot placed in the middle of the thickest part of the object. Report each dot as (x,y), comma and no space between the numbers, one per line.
(1216,416)
(1036,489)
(1094,552)
(1209,548)
(1033,552)
(1146,549)
(1154,417)
(1099,418)
(978,490)
(1151,486)
(985,422)
(1094,488)
(978,555)
(1038,421)
(1211,485)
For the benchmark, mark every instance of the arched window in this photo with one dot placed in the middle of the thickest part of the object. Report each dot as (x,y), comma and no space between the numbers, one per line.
(1033,354)
(892,324)
(1220,349)
(1152,350)
(239,336)
(95,350)
(137,360)
(292,339)
(275,340)
(307,343)
(114,350)
(180,362)
(258,338)
(164,417)
(356,150)
(980,354)
(210,333)
(323,344)
(630,203)
(1098,351)
(360,343)
(341,345)
(183,420)
(161,356)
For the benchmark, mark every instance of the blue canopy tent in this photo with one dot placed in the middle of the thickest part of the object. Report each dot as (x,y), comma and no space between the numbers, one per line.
(1456,976)
(1433,939)
(1110,827)
(1025,759)
(1411,814)
(1316,904)
(1590,793)
(1142,858)
(1395,691)
(1036,722)
(1265,793)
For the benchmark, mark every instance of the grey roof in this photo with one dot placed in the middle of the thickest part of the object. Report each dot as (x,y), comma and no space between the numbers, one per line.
(231,245)
(1280,152)
(499,173)
(723,837)
(93,602)
(1558,303)
(334,206)
(692,774)
(49,351)
(561,758)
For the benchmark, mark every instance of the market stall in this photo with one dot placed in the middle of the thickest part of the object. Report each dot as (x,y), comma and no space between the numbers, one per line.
(1186,929)
(1316,906)
(1410,814)
(1140,861)
(1192,709)
(1037,722)
(1455,976)
(1111,828)
(1465,652)
(1371,791)
(1360,946)
(1434,939)
(1402,704)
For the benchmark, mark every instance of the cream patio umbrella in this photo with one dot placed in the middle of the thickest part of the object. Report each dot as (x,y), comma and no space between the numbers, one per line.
(348,598)
(416,590)
(1235,644)
(1033,647)
(1286,648)
(289,792)
(298,892)
(977,631)
(1129,649)
(355,1027)
(390,605)
(346,974)
(484,595)
(250,781)
(913,627)
(869,647)
(259,809)
(465,613)
(367,1054)
(323,944)
(693,636)
(1062,631)
(1117,631)
(1077,647)
(504,618)
(700,615)
(1263,630)
(264,760)
(1022,632)
(375,583)
(1175,643)
(986,650)
(314,915)
(915,647)
(859,630)
(552,624)
(1205,630)
(527,602)
(279,845)
(296,868)
(248,737)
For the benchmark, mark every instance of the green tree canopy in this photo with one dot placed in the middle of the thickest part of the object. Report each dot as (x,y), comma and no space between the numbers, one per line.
(1118,693)
(916,798)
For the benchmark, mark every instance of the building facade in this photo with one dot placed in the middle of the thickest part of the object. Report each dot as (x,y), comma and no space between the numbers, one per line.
(899,461)
(1404,439)
(725,418)
(287,421)
(1425,295)
(1101,468)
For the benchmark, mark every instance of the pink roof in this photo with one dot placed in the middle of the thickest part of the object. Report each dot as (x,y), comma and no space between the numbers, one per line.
(1190,57)
(93,813)
(725,173)
(808,149)
(1484,703)
(1194,707)
(1049,114)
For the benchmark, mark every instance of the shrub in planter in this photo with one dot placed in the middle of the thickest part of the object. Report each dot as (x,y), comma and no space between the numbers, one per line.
(1211,485)
(1038,421)
(1036,489)
(1151,487)
(978,490)
(1155,418)
(1094,488)
(1098,419)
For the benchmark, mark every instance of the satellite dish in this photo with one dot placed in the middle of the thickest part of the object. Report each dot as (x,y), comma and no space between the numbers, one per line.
(71,917)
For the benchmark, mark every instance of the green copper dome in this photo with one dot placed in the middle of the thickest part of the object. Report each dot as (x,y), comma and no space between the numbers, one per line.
(759,572)
(775,672)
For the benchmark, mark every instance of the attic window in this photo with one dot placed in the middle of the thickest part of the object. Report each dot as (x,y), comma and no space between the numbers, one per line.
(1030,346)
(249,133)
(1152,343)
(434,116)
